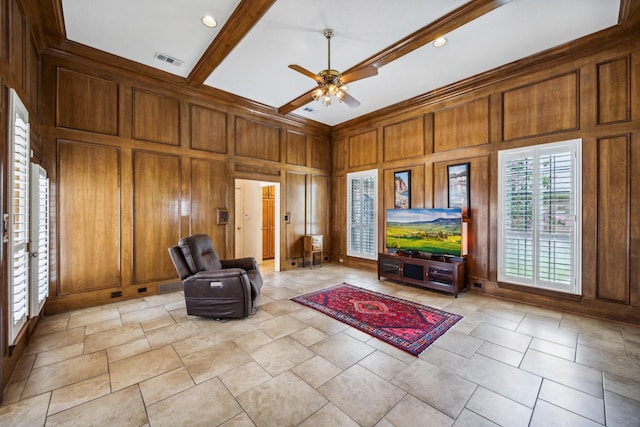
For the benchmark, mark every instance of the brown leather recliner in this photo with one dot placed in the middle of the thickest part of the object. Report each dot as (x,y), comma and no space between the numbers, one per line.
(213,287)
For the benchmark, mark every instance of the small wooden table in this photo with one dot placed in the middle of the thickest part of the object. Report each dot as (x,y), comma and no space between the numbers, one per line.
(313,247)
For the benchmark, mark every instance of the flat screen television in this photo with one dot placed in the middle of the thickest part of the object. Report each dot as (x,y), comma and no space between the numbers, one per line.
(429,231)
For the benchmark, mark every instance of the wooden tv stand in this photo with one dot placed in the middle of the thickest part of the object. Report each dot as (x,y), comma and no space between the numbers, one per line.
(434,272)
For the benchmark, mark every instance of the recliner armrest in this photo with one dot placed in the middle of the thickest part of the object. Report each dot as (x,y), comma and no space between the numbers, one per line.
(248,263)
(219,274)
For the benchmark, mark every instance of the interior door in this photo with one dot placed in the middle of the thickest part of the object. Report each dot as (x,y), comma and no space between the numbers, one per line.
(238,214)
(268,222)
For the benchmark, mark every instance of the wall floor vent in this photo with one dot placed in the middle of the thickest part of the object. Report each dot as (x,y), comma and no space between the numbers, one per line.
(164,288)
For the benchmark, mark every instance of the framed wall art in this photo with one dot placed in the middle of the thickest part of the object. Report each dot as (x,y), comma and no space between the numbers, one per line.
(458,188)
(402,190)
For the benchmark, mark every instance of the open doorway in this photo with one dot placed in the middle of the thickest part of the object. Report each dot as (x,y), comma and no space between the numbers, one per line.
(250,236)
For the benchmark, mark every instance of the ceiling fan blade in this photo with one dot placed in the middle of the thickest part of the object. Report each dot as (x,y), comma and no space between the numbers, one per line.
(306,72)
(305,98)
(359,73)
(350,100)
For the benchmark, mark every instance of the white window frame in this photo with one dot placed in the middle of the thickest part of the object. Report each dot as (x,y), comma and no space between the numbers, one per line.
(18,218)
(351,177)
(537,236)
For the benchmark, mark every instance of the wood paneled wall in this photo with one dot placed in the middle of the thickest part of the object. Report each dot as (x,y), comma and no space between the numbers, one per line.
(592,96)
(88,191)
(19,70)
(138,163)
(156,214)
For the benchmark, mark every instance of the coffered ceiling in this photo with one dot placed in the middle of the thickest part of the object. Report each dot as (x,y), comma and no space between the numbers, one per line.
(249,51)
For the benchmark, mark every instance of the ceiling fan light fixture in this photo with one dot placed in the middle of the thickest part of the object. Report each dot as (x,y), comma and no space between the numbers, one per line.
(331,83)
(318,93)
(439,42)
(209,21)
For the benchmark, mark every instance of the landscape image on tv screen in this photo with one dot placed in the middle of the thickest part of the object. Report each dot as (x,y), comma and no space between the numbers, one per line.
(435,231)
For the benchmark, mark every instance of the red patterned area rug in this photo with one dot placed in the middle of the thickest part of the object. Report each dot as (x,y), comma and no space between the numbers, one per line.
(407,325)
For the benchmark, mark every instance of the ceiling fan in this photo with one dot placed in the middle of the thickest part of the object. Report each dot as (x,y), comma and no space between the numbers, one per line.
(331,83)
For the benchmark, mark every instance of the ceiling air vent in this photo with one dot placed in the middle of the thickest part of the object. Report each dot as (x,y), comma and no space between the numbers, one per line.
(168,59)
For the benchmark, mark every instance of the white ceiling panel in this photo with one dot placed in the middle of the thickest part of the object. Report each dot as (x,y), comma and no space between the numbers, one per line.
(137,29)
(291,32)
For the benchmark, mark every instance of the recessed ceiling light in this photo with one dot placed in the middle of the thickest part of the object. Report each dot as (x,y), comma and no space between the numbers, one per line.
(439,42)
(209,21)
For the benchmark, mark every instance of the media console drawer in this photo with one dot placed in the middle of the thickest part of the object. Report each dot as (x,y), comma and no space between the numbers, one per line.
(441,274)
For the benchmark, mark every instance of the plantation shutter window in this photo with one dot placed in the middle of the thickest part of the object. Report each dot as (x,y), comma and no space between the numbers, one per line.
(540,216)
(362,194)
(18,220)
(39,238)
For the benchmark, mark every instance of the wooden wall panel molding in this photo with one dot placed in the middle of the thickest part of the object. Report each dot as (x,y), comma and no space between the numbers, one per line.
(296,207)
(17,44)
(257,140)
(4,34)
(339,216)
(320,210)
(88,212)
(296,148)
(634,226)
(479,237)
(208,193)
(464,125)
(156,214)
(208,129)
(85,102)
(614,185)
(404,140)
(156,117)
(320,153)
(255,172)
(33,67)
(417,182)
(3,101)
(363,149)
(479,227)
(541,107)
(339,157)
(614,91)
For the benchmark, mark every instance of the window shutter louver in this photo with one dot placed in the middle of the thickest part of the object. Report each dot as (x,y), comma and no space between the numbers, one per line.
(555,217)
(539,230)
(361,205)
(19,218)
(39,238)
(518,214)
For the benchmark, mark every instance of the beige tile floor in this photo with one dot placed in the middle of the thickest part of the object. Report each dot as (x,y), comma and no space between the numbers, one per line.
(146,362)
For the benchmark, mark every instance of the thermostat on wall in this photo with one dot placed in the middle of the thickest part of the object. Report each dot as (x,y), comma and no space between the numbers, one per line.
(223,216)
